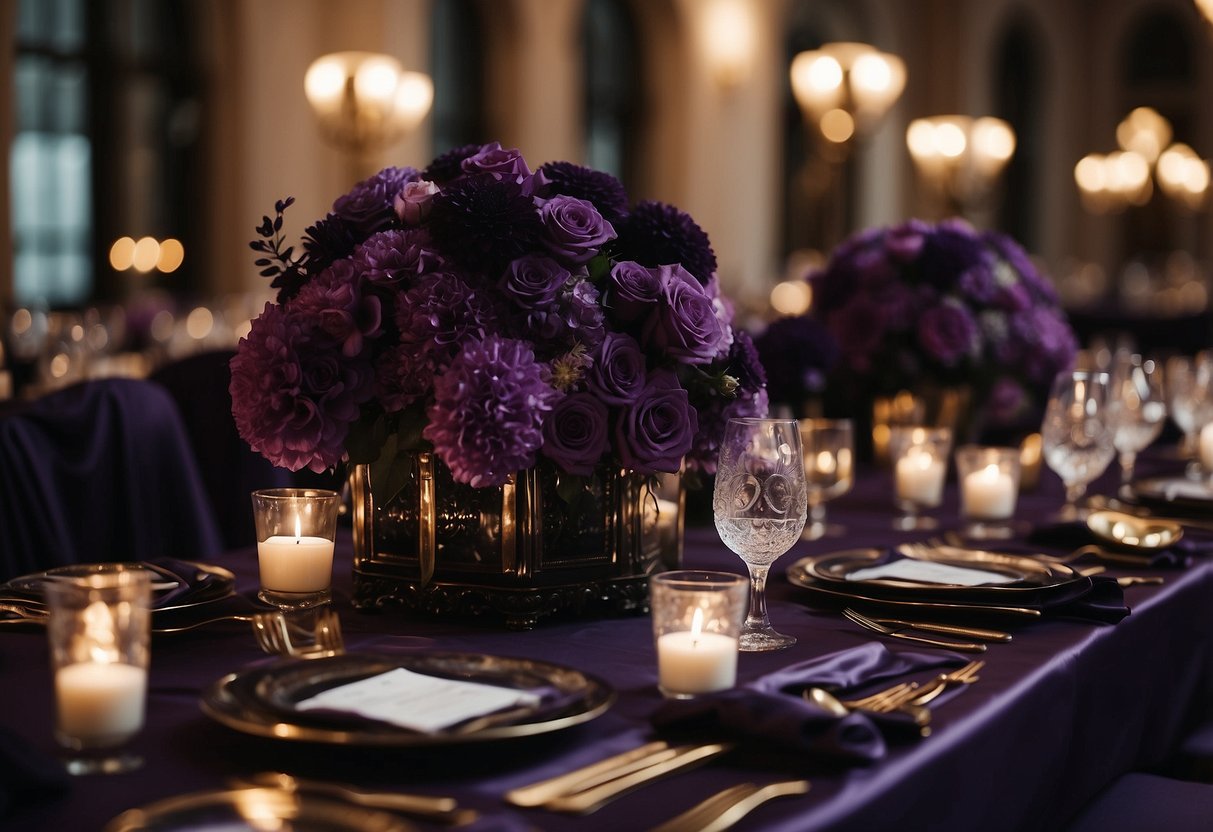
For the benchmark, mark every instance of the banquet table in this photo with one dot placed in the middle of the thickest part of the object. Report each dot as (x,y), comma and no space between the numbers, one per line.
(1058,713)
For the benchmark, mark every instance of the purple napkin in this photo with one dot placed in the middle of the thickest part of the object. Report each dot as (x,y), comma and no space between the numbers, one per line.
(773,711)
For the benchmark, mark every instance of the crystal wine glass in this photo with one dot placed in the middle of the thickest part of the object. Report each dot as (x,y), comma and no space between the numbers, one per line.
(1077,433)
(1189,385)
(1139,409)
(760,504)
(828,446)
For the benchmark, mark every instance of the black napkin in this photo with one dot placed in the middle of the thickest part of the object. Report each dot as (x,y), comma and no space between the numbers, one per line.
(773,711)
(26,774)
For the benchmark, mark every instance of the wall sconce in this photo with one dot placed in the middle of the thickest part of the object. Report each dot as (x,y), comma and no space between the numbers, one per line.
(844,89)
(728,40)
(1206,9)
(1111,182)
(365,102)
(959,156)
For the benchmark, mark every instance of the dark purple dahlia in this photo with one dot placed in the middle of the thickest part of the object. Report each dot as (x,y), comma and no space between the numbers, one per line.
(656,234)
(484,223)
(603,190)
(329,240)
(449,165)
(403,375)
(444,310)
(390,258)
(334,303)
(486,421)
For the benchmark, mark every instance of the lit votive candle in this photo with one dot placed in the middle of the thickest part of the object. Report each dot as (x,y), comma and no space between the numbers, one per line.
(920,476)
(295,563)
(695,661)
(100,704)
(988,494)
(1206,449)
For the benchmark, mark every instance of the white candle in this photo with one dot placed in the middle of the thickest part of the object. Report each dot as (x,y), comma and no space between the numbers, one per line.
(295,564)
(693,661)
(920,476)
(1206,448)
(100,704)
(988,494)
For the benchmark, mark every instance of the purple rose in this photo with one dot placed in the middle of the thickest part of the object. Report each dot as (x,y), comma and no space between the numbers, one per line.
(634,290)
(684,324)
(335,302)
(573,228)
(533,281)
(412,204)
(904,242)
(617,374)
(368,208)
(948,333)
(575,433)
(498,162)
(656,431)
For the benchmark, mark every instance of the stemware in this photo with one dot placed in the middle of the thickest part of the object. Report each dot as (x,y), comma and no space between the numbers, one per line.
(1139,409)
(1189,385)
(1077,433)
(760,505)
(828,446)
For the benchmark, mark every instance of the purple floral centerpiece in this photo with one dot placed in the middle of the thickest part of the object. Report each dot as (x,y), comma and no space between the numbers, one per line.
(914,305)
(499,319)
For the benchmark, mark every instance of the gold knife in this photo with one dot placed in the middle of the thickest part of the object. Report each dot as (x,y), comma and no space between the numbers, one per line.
(589,800)
(752,801)
(541,792)
(693,819)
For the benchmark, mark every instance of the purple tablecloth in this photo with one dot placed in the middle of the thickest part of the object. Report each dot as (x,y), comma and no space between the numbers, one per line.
(1059,712)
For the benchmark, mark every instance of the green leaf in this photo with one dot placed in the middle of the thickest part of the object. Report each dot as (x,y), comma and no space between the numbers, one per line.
(390,473)
(366,437)
(599,267)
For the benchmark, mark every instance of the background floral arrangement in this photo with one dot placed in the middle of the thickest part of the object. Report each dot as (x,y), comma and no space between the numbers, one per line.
(499,316)
(944,304)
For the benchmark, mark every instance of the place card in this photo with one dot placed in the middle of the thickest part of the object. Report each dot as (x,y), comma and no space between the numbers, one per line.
(930,572)
(417,701)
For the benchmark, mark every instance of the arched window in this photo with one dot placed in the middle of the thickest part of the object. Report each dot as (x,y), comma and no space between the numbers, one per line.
(613,93)
(104,145)
(457,48)
(1018,100)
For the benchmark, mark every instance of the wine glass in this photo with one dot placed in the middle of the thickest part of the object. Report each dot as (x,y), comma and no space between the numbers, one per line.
(828,446)
(760,504)
(1139,409)
(1189,386)
(1077,433)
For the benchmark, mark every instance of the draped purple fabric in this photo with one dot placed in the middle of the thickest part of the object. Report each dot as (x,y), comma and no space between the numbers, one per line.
(99,471)
(1059,713)
(1139,801)
(230,469)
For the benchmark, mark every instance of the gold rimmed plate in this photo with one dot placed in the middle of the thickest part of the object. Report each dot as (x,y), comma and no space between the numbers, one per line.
(1175,492)
(255,809)
(1024,580)
(262,700)
(220,583)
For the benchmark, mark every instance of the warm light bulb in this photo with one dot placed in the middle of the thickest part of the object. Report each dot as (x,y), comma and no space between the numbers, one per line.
(825,74)
(145,255)
(871,72)
(172,254)
(122,254)
(950,140)
(837,125)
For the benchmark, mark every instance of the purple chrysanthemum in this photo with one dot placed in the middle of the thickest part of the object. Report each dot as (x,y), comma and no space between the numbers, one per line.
(335,303)
(484,223)
(486,421)
(368,207)
(393,257)
(656,234)
(603,190)
(444,310)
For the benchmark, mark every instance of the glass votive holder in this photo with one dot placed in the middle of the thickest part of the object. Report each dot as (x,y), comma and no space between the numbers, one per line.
(99,627)
(989,488)
(1204,446)
(296,533)
(697,619)
(920,466)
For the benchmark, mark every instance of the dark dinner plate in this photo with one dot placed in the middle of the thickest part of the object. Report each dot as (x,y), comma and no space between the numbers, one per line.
(262,700)
(1175,492)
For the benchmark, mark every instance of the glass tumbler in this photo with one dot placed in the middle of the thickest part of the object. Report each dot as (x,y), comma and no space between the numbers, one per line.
(697,617)
(296,535)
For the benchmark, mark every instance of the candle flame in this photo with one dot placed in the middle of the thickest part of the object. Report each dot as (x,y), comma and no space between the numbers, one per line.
(298,528)
(696,626)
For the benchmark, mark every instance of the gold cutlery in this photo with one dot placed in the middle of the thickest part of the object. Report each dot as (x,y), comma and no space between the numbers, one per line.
(867,623)
(882,703)
(536,794)
(590,800)
(443,809)
(715,815)
(1140,580)
(951,629)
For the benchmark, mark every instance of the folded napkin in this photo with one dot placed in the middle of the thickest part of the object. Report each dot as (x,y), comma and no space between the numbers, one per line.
(26,774)
(772,709)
